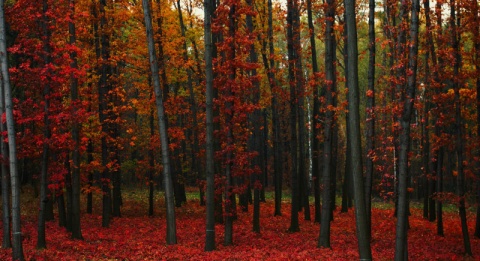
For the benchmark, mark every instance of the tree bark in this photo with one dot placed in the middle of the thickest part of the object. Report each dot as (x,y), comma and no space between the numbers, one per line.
(355,134)
(209,152)
(370,117)
(76,183)
(316,152)
(6,242)
(328,150)
(401,252)
(104,88)
(17,252)
(459,125)
(294,226)
(169,202)
(44,197)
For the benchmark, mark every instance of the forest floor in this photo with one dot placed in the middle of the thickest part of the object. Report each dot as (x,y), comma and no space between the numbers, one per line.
(135,236)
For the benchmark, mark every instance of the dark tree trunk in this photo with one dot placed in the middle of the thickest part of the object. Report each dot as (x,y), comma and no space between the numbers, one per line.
(401,252)
(169,202)
(104,88)
(257,125)
(76,183)
(151,165)
(316,152)
(294,226)
(361,215)
(62,214)
(90,177)
(6,242)
(17,251)
(328,150)
(476,34)
(301,140)
(370,116)
(459,126)
(440,190)
(209,152)
(232,26)
(44,193)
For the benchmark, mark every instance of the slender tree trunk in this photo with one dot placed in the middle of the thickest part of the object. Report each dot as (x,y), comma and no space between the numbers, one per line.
(348,149)
(170,208)
(62,214)
(151,165)
(316,153)
(476,40)
(17,252)
(440,190)
(76,228)
(300,86)
(401,252)
(328,150)
(294,226)
(104,88)
(257,124)
(6,242)
(209,152)
(229,111)
(276,129)
(90,177)
(44,197)
(361,215)
(370,116)
(459,125)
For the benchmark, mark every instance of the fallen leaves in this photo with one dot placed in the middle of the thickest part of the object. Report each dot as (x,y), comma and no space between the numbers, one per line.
(138,237)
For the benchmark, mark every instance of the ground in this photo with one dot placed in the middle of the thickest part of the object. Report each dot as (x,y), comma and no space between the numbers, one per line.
(135,236)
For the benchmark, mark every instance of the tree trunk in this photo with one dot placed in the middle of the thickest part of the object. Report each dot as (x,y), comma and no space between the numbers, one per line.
(17,252)
(301,140)
(257,125)
(355,134)
(229,111)
(328,150)
(6,242)
(76,183)
(294,226)
(476,40)
(104,88)
(440,190)
(370,117)
(316,153)
(459,125)
(170,208)
(401,252)
(209,152)
(44,193)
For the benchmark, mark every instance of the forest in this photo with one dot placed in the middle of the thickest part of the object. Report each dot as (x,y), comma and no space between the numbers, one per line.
(240,129)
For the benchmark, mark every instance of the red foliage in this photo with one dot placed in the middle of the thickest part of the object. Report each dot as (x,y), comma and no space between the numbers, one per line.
(138,237)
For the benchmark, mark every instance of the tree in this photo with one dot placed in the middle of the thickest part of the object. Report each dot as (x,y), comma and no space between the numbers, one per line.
(210,171)
(316,151)
(171,226)
(459,125)
(76,184)
(328,150)
(6,242)
(17,253)
(44,197)
(370,116)
(354,134)
(292,10)
(407,99)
